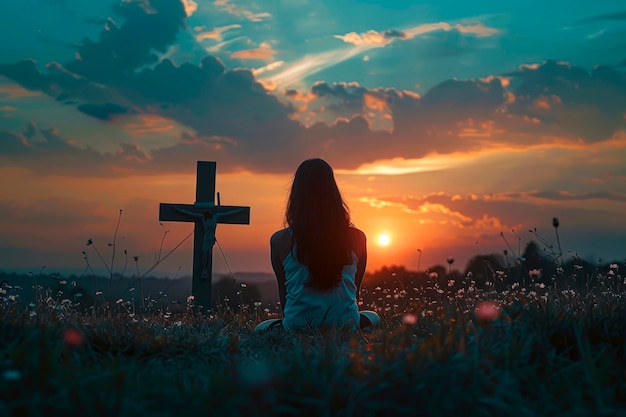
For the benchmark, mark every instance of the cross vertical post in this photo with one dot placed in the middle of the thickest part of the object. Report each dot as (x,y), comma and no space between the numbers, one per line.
(205,215)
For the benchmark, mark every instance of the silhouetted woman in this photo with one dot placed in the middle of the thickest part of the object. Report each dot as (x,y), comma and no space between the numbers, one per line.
(319,259)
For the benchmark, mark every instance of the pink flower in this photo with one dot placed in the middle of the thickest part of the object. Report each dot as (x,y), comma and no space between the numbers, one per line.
(73,337)
(487,311)
(409,319)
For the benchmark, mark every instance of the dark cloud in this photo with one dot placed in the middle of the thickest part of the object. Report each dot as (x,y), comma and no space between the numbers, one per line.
(563,196)
(26,74)
(61,156)
(587,104)
(469,97)
(150,25)
(206,97)
(104,111)
(58,82)
(616,16)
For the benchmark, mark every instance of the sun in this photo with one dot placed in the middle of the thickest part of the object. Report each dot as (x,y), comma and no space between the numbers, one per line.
(383,239)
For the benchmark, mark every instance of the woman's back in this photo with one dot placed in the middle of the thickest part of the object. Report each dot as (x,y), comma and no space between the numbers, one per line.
(319,259)
(304,305)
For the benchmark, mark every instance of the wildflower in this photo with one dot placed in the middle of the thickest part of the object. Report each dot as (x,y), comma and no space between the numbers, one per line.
(555,222)
(534,274)
(119,301)
(450,260)
(72,337)
(487,311)
(243,285)
(433,275)
(89,242)
(190,298)
(98,293)
(409,319)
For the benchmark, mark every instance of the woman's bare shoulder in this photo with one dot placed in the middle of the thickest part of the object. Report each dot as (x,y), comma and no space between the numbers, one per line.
(279,235)
(281,240)
(357,234)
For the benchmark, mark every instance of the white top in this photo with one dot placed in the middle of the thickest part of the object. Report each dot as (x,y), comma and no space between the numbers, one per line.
(306,306)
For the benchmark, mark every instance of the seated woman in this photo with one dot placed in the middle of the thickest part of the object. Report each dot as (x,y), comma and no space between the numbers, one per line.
(319,259)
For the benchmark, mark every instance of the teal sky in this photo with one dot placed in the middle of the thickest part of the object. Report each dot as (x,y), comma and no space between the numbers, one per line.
(447,122)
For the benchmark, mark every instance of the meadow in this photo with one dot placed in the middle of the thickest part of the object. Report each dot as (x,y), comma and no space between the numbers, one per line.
(499,338)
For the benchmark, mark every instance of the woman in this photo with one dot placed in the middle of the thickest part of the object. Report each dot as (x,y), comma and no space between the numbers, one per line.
(319,259)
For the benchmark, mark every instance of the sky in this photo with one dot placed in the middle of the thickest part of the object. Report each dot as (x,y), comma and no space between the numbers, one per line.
(455,128)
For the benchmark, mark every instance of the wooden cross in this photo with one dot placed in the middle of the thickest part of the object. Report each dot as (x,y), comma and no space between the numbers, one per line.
(203,245)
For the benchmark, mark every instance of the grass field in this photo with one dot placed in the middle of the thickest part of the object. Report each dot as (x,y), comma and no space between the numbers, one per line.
(460,349)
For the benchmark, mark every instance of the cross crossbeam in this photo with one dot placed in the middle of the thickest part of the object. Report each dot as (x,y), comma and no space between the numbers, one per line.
(205,215)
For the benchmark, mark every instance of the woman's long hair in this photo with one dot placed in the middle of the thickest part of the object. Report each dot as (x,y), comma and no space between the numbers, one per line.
(320,223)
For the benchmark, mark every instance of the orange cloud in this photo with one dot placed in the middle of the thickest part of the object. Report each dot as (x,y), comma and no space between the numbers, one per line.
(190,7)
(149,123)
(375,103)
(263,52)
(268,67)
(547,102)
(216,33)
(11,91)
(228,7)
(269,85)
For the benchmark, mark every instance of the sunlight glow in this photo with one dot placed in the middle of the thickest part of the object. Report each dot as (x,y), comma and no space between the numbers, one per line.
(383,239)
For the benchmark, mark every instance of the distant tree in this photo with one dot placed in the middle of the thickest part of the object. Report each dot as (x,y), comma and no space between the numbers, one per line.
(483,268)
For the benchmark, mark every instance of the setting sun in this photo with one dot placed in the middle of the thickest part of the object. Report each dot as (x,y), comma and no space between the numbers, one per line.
(383,239)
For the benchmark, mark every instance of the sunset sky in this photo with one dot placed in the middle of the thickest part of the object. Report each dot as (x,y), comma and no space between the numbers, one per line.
(447,123)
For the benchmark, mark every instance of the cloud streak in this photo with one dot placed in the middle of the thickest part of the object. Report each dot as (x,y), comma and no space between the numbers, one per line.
(373,38)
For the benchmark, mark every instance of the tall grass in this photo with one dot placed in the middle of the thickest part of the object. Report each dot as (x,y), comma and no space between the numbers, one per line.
(439,351)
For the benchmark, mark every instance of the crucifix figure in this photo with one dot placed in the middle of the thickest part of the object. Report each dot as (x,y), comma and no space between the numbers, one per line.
(206,215)
(209,223)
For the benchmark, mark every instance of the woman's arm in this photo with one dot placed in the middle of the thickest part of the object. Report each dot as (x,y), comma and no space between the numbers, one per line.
(277,256)
(360,248)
